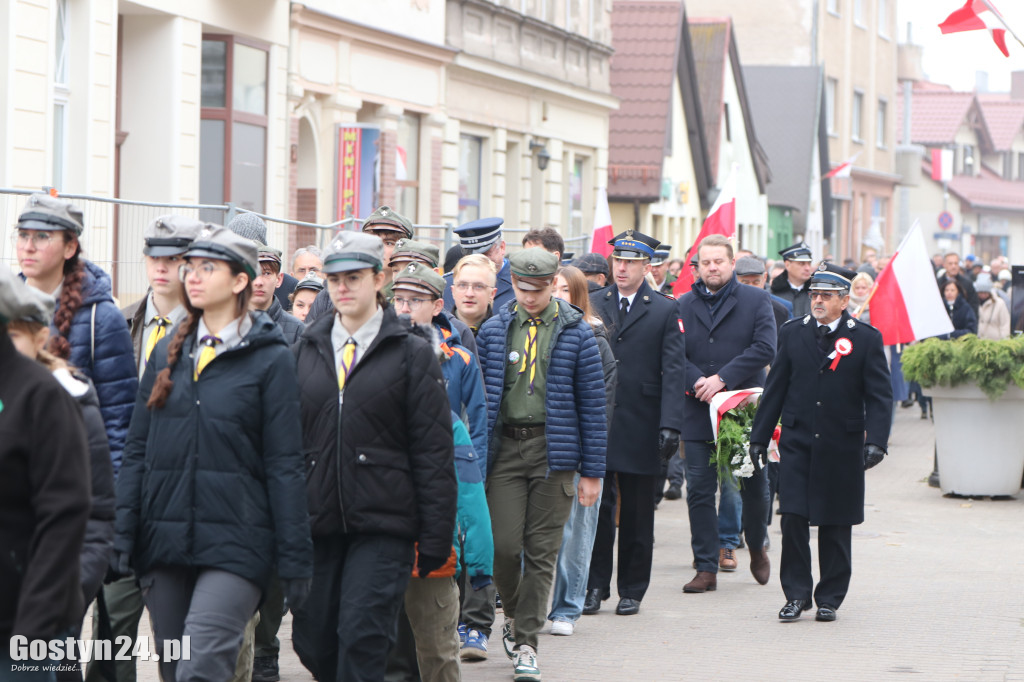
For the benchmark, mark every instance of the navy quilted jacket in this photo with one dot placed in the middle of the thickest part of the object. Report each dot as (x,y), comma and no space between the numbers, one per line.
(575,424)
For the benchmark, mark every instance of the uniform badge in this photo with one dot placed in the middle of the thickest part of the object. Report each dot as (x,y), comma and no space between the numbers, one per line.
(807,318)
(412,268)
(513,357)
(823,266)
(851,323)
(843,348)
(647,299)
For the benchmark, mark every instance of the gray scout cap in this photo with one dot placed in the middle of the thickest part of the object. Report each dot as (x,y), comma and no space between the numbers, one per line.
(268,254)
(311,282)
(533,268)
(748,265)
(421,279)
(43,212)
(250,226)
(354,251)
(408,250)
(387,219)
(170,235)
(220,243)
(19,301)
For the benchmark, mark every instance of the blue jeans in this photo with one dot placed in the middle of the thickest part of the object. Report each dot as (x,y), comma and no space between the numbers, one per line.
(730,511)
(574,560)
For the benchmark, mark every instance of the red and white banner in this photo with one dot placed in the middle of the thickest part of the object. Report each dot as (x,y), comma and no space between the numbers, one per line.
(843,170)
(603,230)
(723,401)
(942,165)
(721,220)
(906,304)
(977,15)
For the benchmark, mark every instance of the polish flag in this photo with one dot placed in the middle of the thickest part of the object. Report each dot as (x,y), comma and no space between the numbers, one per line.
(906,304)
(401,168)
(603,231)
(942,165)
(721,220)
(843,170)
(969,18)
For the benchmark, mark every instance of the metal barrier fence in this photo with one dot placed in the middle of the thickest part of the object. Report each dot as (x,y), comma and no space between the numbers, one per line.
(113,236)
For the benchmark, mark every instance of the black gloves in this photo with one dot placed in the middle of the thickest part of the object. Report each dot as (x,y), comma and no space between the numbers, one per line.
(872,455)
(758,456)
(426,563)
(668,443)
(120,565)
(296,590)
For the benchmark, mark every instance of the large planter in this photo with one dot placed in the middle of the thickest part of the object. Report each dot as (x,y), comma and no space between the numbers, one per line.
(980,442)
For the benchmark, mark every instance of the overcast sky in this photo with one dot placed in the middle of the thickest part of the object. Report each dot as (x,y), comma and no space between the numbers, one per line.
(955,58)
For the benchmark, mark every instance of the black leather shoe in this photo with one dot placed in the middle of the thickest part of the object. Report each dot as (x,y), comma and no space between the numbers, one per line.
(592,604)
(628,607)
(674,492)
(826,613)
(792,610)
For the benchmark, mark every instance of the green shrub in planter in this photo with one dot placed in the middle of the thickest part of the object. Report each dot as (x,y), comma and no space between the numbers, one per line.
(992,365)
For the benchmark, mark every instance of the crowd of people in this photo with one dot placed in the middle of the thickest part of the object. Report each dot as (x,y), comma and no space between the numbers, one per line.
(394,454)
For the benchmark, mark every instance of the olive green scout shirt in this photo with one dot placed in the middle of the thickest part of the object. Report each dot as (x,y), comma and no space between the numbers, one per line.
(518,404)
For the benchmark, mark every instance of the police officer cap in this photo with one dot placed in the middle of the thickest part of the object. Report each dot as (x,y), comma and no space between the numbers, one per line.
(633,245)
(220,243)
(478,236)
(749,265)
(831,277)
(43,212)
(170,235)
(661,254)
(533,268)
(421,279)
(592,264)
(311,282)
(409,250)
(387,219)
(798,252)
(354,251)
(268,254)
(20,302)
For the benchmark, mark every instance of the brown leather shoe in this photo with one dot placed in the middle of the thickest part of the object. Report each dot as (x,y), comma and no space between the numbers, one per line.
(702,582)
(760,565)
(726,560)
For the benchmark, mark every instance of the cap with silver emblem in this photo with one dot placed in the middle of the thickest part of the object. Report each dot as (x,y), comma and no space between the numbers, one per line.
(478,236)
(409,250)
(44,212)
(831,277)
(386,219)
(353,251)
(533,268)
(421,279)
(220,243)
(170,235)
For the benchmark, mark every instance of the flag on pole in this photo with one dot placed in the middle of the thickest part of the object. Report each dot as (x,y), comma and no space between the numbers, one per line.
(603,231)
(942,165)
(978,15)
(721,220)
(843,170)
(906,304)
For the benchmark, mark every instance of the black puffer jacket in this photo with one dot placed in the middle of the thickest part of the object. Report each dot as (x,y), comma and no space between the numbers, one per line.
(214,478)
(801,299)
(384,464)
(290,325)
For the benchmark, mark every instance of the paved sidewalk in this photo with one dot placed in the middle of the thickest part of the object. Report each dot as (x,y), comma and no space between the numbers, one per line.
(937,593)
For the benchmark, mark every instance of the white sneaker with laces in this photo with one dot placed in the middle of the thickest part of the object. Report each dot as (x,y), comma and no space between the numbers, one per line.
(508,637)
(525,665)
(564,628)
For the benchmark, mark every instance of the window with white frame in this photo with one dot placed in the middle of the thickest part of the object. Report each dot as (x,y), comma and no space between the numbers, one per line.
(407,162)
(61,93)
(833,7)
(858,13)
(883,18)
(856,118)
(470,167)
(831,87)
(880,123)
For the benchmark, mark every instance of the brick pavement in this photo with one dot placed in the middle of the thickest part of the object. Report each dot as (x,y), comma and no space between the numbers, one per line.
(937,594)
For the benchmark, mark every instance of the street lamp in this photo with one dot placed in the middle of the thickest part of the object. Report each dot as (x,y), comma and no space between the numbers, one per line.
(543,157)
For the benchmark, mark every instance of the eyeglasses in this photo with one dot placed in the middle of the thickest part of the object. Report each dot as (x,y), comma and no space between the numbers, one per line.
(203,271)
(413,303)
(823,295)
(40,238)
(477,287)
(302,272)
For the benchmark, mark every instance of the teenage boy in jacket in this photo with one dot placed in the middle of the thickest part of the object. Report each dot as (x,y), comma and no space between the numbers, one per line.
(545,421)
(268,280)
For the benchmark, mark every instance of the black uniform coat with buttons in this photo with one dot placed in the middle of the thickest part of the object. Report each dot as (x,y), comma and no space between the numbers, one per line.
(827,417)
(650,349)
(736,346)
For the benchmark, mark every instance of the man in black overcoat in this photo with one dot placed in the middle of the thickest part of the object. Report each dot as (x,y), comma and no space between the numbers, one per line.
(830,385)
(646,337)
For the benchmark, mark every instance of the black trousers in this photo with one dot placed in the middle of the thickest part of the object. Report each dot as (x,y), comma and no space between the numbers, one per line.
(833,561)
(634,495)
(346,627)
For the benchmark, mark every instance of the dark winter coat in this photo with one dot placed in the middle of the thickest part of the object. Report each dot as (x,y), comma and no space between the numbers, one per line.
(737,346)
(285,290)
(825,414)
(574,399)
(610,368)
(963,318)
(650,348)
(214,478)
(291,326)
(967,290)
(800,300)
(383,464)
(44,500)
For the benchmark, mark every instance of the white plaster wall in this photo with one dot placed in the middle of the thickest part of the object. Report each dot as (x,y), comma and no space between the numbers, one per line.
(417,19)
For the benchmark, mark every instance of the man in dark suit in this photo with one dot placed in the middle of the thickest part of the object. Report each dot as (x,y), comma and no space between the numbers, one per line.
(659,268)
(484,236)
(830,385)
(750,270)
(647,340)
(730,334)
(792,284)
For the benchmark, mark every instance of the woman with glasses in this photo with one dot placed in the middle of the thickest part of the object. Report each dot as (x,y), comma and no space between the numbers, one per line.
(87,329)
(211,491)
(380,469)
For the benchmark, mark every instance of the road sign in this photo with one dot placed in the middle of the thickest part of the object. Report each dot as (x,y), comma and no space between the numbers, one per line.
(945,220)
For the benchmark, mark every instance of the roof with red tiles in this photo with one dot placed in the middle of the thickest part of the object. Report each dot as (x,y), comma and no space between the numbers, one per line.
(1005,118)
(985,191)
(937,115)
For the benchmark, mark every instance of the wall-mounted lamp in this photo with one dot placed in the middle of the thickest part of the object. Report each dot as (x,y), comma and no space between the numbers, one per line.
(542,154)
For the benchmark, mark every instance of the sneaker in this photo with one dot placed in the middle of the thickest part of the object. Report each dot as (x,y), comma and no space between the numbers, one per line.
(508,636)
(564,628)
(264,669)
(525,665)
(475,646)
(462,634)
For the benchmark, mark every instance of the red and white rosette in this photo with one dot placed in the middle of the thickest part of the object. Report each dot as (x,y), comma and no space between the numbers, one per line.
(843,348)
